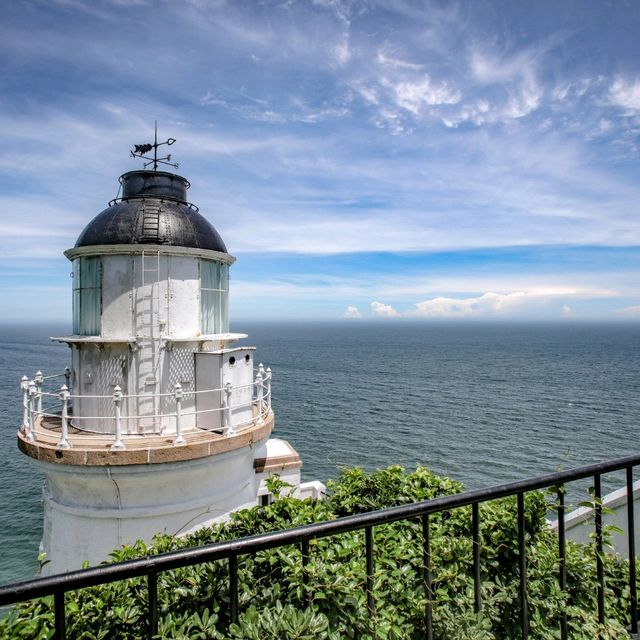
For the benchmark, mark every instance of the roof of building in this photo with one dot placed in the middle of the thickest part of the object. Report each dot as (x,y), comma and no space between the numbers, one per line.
(153,210)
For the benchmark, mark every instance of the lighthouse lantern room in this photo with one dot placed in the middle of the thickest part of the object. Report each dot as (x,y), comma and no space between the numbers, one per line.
(161,424)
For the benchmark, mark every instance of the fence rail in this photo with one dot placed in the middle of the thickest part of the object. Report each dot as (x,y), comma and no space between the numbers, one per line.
(151,566)
(33,411)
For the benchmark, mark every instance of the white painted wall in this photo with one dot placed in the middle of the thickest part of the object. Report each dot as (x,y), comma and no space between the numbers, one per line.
(96,372)
(155,300)
(89,511)
(579,524)
(213,370)
(166,295)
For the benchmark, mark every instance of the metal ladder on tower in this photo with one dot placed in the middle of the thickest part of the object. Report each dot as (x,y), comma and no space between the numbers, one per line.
(148,323)
(151,223)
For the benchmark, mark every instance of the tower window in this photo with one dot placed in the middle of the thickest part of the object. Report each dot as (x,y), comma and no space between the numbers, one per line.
(214,297)
(87,295)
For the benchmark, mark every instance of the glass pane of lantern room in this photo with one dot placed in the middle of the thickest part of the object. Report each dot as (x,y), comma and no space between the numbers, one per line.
(224,298)
(76,297)
(208,311)
(89,300)
(214,312)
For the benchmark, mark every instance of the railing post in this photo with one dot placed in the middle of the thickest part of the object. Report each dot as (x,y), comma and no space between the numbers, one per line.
(260,394)
(24,385)
(67,377)
(63,443)
(371,603)
(631,532)
(475,529)
(426,577)
(597,498)
(268,390)
(117,398)
(32,402)
(152,595)
(178,396)
(305,571)
(228,390)
(59,616)
(522,561)
(39,379)
(564,631)
(233,587)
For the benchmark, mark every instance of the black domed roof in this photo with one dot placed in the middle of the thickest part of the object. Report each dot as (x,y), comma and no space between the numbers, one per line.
(153,210)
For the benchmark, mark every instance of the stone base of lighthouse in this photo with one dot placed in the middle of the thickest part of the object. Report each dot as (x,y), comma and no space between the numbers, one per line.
(96,499)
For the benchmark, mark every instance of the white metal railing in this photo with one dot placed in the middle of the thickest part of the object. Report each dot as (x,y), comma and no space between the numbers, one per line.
(33,411)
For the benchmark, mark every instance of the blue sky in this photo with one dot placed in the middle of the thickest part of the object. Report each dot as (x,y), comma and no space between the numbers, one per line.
(361,159)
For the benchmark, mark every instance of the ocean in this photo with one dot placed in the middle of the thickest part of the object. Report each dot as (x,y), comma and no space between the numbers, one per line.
(481,403)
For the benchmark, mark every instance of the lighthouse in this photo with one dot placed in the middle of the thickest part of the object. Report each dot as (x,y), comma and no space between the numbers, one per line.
(161,423)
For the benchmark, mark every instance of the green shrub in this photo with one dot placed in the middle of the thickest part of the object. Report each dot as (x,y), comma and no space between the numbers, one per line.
(276,602)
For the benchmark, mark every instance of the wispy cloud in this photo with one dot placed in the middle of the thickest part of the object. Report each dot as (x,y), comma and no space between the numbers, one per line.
(626,95)
(414,96)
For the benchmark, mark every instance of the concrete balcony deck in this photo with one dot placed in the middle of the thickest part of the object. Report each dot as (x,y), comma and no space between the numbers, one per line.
(89,449)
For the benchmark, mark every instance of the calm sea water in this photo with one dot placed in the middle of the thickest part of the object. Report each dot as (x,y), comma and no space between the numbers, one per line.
(480,403)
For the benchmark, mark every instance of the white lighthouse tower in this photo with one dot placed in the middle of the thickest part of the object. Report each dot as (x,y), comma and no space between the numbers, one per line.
(162,423)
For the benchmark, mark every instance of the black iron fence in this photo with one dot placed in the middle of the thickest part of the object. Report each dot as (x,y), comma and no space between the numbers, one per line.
(150,566)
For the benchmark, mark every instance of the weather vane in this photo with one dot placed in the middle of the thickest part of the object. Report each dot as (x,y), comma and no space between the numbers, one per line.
(140,150)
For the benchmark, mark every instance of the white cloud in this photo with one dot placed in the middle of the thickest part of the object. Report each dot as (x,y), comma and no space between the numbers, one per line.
(352,312)
(629,311)
(368,92)
(491,69)
(526,100)
(626,94)
(386,60)
(487,304)
(517,76)
(399,88)
(384,310)
(493,304)
(583,285)
(561,91)
(413,96)
(209,99)
(342,51)
(567,311)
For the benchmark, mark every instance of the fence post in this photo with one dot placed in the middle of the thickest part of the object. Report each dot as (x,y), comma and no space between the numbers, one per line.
(32,403)
(260,392)
(39,379)
(228,390)
(178,395)
(268,390)
(24,385)
(117,398)
(63,443)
